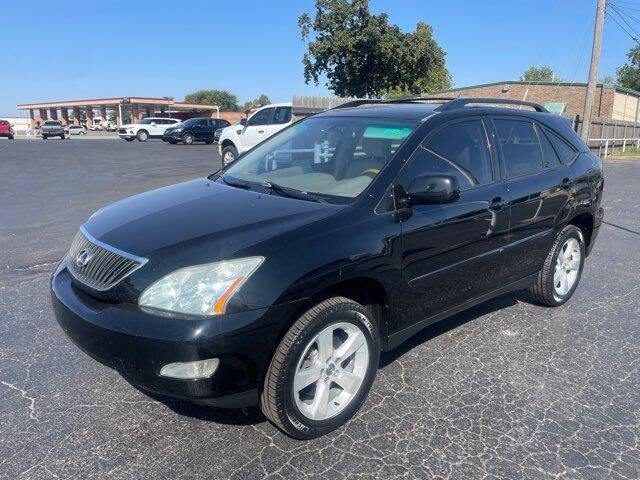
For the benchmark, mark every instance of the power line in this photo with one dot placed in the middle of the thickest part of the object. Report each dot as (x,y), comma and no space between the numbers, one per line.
(624,29)
(624,20)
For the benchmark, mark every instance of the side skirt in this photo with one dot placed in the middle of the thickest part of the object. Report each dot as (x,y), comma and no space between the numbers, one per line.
(398,338)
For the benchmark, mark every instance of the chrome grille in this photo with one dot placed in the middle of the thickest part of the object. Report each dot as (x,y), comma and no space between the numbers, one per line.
(105,265)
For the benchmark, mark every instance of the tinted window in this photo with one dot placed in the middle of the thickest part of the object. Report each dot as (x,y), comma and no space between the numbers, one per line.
(223,123)
(282,115)
(52,124)
(548,153)
(520,147)
(261,117)
(424,162)
(463,145)
(145,121)
(565,152)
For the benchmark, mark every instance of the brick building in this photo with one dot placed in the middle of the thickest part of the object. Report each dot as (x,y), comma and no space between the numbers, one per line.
(611,102)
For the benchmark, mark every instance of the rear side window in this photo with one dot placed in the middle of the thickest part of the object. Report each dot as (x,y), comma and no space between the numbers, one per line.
(565,152)
(550,156)
(520,147)
(282,115)
(463,146)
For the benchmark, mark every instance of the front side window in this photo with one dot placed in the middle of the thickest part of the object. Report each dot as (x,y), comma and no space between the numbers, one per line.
(520,147)
(146,121)
(282,115)
(463,146)
(261,117)
(337,157)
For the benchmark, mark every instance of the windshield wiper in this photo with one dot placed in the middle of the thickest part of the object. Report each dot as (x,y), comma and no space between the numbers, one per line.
(293,193)
(234,182)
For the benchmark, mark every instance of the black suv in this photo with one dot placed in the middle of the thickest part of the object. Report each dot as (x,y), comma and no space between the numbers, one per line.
(195,130)
(278,280)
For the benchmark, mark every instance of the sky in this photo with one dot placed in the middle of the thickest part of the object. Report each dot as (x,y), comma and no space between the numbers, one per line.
(55,50)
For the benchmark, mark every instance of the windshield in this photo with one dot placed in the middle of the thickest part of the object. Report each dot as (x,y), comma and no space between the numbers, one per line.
(52,124)
(332,156)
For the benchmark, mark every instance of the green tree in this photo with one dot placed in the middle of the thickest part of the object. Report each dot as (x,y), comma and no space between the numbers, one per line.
(263,99)
(227,101)
(607,79)
(539,74)
(629,73)
(362,55)
(438,80)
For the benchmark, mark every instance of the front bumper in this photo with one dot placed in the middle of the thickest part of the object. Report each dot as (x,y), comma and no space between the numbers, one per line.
(138,344)
(173,136)
(126,135)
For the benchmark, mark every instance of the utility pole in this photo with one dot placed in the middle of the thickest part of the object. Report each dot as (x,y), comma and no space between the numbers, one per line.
(593,71)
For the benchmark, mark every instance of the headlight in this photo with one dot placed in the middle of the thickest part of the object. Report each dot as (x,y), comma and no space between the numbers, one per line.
(177,129)
(202,289)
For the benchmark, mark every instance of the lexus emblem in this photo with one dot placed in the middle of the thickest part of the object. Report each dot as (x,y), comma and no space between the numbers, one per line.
(83,258)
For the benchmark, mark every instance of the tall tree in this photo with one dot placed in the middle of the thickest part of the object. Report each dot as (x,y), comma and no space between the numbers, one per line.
(629,73)
(539,74)
(227,101)
(263,99)
(362,55)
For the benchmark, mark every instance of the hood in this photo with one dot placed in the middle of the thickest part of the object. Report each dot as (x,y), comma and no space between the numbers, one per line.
(201,211)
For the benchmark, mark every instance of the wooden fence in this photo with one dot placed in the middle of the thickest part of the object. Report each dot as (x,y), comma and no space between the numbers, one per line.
(609,136)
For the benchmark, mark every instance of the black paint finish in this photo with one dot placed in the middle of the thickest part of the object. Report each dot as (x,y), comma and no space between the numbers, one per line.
(425,262)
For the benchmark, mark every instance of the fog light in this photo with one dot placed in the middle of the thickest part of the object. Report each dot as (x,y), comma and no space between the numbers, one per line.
(190,370)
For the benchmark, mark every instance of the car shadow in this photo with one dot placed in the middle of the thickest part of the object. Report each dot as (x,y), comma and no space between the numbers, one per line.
(208,413)
(253,415)
(448,324)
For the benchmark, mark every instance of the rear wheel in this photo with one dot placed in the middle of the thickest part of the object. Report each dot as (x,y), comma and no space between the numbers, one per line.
(209,142)
(62,137)
(187,139)
(229,155)
(11,137)
(129,139)
(143,136)
(562,269)
(322,370)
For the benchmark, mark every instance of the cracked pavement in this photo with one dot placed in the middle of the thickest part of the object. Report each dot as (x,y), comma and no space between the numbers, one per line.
(505,390)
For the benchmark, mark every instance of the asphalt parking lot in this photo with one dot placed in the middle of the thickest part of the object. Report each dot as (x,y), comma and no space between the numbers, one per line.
(505,390)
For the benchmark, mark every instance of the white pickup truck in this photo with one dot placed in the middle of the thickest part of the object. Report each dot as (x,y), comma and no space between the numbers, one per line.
(240,137)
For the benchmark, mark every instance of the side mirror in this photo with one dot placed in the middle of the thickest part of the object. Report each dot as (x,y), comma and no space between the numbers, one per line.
(432,189)
(153,124)
(243,121)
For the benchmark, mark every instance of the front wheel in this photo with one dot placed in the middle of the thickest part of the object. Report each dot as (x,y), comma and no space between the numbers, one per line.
(62,137)
(44,137)
(187,139)
(229,155)
(143,136)
(322,370)
(562,269)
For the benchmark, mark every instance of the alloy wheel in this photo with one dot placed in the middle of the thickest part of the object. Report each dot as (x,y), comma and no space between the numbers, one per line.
(228,158)
(331,371)
(567,267)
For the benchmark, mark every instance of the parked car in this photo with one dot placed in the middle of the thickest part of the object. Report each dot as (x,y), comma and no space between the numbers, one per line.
(97,125)
(77,130)
(111,126)
(239,138)
(52,128)
(341,236)
(6,130)
(195,130)
(150,127)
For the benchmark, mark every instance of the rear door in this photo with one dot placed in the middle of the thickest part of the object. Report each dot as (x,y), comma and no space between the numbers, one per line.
(281,118)
(452,253)
(538,189)
(201,130)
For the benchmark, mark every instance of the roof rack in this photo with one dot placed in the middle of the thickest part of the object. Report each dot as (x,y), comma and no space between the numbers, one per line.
(462,102)
(419,99)
(357,103)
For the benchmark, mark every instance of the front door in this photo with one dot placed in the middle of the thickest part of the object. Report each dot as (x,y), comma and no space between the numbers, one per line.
(256,129)
(201,131)
(453,252)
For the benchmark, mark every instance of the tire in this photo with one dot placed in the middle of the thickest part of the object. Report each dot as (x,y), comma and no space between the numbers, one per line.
(229,155)
(11,137)
(187,139)
(142,136)
(44,137)
(293,411)
(209,142)
(61,137)
(549,288)
(129,139)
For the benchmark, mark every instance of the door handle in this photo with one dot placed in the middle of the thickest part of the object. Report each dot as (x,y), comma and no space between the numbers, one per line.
(496,204)
(260,131)
(566,183)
